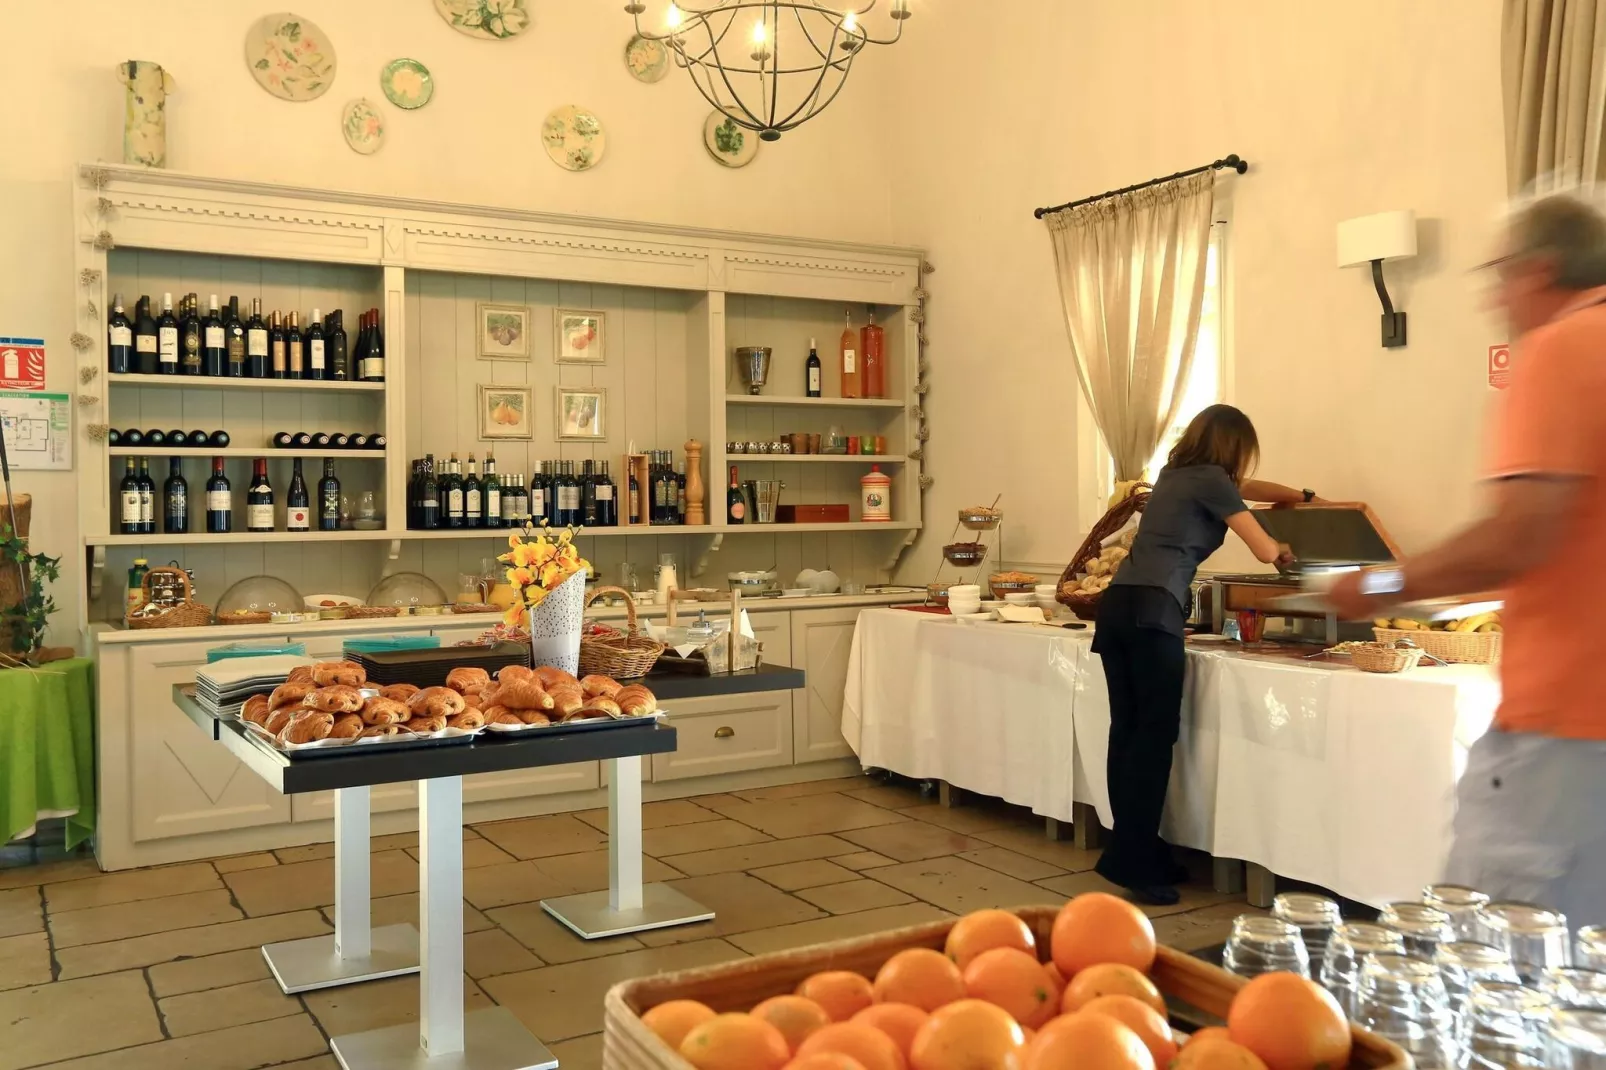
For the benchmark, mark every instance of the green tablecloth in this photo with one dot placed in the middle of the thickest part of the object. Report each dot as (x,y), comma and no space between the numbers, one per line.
(47,747)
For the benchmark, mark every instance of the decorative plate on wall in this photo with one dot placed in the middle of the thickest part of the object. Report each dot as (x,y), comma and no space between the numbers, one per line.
(290,56)
(363,126)
(574,138)
(407,83)
(491,20)
(646,59)
(731,145)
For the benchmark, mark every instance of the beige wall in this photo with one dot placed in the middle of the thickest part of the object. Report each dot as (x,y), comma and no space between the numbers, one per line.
(1342,109)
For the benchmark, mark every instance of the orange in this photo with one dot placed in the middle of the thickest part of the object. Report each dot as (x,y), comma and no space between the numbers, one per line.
(825,1060)
(1290,1023)
(983,930)
(897,1020)
(1110,979)
(794,1016)
(1054,972)
(735,1042)
(1209,1032)
(1215,1053)
(1087,1042)
(842,993)
(919,977)
(1098,927)
(1149,1024)
(971,1034)
(1014,981)
(673,1020)
(869,1045)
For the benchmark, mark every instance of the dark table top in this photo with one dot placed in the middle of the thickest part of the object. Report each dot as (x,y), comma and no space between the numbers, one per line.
(669,686)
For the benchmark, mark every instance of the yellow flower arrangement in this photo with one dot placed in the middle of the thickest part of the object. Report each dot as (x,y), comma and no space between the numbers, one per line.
(538,561)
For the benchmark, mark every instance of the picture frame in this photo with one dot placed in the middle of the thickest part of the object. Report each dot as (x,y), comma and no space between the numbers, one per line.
(506,411)
(503,330)
(578,336)
(581,413)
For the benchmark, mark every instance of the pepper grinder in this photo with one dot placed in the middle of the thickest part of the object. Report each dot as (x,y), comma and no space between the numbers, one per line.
(695,514)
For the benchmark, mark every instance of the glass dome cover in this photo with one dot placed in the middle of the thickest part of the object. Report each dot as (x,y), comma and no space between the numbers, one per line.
(407,589)
(260,594)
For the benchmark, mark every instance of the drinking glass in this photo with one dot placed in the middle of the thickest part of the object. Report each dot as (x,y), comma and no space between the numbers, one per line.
(1251,628)
(1461,903)
(1590,950)
(1534,937)
(1314,915)
(1265,945)
(1464,962)
(1350,944)
(1573,986)
(1404,1000)
(1576,1040)
(1423,927)
(1503,1027)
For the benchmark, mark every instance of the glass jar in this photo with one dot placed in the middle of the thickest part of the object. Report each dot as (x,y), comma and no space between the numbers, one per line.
(1403,999)
(1465,961)
(1259,944)
(1423,927)
(1590,949)
(1573,986)
(1347,948)
(1461,904)
(1503,1027)
(1316,916)
(1576,1040)
(1535,937)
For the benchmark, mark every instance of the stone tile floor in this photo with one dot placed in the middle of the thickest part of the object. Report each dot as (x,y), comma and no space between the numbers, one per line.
(160,968)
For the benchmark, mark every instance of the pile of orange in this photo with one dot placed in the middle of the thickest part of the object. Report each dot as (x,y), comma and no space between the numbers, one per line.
(989,1001)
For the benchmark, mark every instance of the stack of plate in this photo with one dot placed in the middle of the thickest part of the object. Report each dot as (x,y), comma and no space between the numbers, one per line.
(222,687)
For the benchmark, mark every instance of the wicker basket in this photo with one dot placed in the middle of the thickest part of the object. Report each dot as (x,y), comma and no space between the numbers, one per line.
(737,986)
(187,614)
(244,617)
(372,612)
(1086,606)
(1462,648)
(1384,657)
(620,655)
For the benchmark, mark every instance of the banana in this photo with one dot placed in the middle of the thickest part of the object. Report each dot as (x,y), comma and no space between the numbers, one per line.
(1405,625)
(1492,626)
(1382,622)
(1473,623)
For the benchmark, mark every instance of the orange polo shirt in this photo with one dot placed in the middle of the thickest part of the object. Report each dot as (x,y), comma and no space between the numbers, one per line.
(1552,420)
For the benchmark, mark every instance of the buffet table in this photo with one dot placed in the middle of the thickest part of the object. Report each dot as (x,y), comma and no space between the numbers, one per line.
(1312,769)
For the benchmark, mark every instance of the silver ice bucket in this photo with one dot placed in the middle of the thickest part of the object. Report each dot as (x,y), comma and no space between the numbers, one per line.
(763,498)
(754,364)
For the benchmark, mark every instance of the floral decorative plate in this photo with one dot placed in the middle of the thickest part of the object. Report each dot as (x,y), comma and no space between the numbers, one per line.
(646,59)
(407,83)
(290,57)
(490,20)
(574,138)
(731,145)
(363,126)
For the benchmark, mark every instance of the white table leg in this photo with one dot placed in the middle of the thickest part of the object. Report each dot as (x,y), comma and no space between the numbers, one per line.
(628,906)
(356,951)
(445,1038)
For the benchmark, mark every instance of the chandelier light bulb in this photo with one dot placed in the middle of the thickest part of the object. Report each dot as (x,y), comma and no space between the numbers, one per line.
(760,51)
(850,23)
(672,17)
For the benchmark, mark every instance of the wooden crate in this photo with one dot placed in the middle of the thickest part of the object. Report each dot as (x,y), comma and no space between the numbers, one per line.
(738,986)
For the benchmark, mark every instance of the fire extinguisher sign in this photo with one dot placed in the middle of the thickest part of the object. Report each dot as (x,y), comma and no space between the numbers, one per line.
(1500,366)
(22,363)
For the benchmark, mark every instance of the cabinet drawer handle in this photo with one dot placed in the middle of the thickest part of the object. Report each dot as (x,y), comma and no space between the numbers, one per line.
(724,733)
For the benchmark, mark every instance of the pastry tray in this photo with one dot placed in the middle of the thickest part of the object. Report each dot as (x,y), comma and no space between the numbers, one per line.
(324,749)
(590,724)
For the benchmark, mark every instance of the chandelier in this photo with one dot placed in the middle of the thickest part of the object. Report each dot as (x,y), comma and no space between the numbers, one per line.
(769,65)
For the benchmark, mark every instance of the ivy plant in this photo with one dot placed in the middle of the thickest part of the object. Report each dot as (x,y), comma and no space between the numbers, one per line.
(24,623)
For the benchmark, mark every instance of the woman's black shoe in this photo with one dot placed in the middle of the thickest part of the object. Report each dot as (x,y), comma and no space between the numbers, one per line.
(1149,892)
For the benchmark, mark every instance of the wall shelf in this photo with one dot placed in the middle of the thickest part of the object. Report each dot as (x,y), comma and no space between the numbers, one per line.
(237,538)
(582,533)
(806,529)
(244,538)
(815,458)
(214,382)
(269,452)
(818,403)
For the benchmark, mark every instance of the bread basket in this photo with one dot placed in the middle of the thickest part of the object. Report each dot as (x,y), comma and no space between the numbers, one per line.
(620,655)
(1461,648)
(1086,606)
(186,614)
(1384,657)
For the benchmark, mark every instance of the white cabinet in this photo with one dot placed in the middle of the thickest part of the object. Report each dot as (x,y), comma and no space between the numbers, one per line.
(728,734)
(774,630)
(821,640)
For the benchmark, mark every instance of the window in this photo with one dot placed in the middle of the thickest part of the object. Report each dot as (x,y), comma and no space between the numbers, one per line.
(1207,378)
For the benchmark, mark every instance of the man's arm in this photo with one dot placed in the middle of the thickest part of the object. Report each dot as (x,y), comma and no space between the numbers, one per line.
(1526,519)
(1258,490)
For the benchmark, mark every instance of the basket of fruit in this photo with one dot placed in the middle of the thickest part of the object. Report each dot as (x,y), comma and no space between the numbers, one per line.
(1474,640)
(1093,565)
(1030,989)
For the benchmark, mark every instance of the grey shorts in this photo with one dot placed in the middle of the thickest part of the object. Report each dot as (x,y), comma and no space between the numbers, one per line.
(1530,823)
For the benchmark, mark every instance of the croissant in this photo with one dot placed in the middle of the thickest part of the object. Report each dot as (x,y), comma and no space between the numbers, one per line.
(532,717)
(347,726)
(301,674)
(337,698)
(636,701)
(468,720)
(381,730)
(425,726)
(464,679)
(339,672)
(567,699)
(596,684)
(382,711)
(440,702)
(522,695)
(507,716)
(308,727)
(473,699)
(288,694)
(508,673)
(551,676)
(399,692)
(604,705)
(256,709)
(279,718)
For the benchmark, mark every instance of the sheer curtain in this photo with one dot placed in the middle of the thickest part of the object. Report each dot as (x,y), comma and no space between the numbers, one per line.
(1132,279)
(1553,67)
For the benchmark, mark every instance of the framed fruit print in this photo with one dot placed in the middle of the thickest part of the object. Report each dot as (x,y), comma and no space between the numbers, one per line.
(506,412)
(579,336)
(581,413)
(504,331)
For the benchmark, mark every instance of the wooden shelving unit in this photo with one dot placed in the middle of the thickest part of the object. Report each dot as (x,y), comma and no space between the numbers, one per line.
(270,452)
(210,382)
(814,458)
(815,403)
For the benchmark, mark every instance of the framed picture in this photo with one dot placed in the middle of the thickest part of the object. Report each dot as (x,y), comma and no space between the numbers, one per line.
(579,336)
(581,413)
(507,411)
(504,331)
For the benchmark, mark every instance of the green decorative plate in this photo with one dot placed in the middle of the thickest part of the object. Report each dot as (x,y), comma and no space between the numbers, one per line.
(490,20)
(574,138)
(646,59)
(731,145)
(407,83)
(363,126)
(290,57)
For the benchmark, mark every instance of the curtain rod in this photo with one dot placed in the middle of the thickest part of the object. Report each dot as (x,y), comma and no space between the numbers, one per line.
(1232,160)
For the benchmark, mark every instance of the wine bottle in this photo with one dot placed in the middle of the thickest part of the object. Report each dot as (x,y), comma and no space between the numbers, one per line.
(538,493)
(234,339)
(321,440)
(214,340)
(119,340)
(317,349)
(735,503)
(473,500)
(190,337)
(297,505)
(359,347)
(607,499)
(339,366)
(167,339)
(429,498)
(133,437)
(512,492)
(328,498)
(635,497)
(358,442)
(219,502)
(812,386)
(282,440)
(588,494)
(175,500)
(377,442)
(277,359)
(196,439)
(491,490)
(256,343)
(849,359)
(129,522)
(114,437)
(219,439)
(177,438)
(340,441)
(872,344)
(147,498)
(259,498)
(373,361)
(145,338)
(301,440)
(156,437)
(295,349)
(454,493)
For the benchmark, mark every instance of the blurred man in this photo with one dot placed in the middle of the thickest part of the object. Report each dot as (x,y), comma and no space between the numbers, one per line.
(1531,816)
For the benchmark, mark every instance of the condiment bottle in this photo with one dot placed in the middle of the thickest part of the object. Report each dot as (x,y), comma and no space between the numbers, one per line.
(135,596)
(875,490)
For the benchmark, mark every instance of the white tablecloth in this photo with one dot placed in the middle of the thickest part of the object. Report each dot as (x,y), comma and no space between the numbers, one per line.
(1319,773)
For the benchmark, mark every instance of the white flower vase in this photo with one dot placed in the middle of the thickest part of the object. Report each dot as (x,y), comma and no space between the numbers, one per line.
(555,626)
(146,86)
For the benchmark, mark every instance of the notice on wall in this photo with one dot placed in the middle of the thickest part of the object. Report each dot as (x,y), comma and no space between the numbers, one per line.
(22,363)
(1500,366)
(38,429)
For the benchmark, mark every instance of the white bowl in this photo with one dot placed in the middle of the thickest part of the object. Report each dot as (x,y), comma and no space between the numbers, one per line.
(1049,589)
(992,603)
(805,578)
(972,618)
(960,590)
(1020,598)
(964,609)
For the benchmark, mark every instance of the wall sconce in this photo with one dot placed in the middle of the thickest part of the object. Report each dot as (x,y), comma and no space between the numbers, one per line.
(1374,239)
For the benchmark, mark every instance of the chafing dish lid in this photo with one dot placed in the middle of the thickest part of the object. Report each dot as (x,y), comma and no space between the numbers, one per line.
(1327,536)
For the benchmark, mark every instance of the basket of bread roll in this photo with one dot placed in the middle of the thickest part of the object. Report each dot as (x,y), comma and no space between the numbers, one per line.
(1095,562)
(520,699)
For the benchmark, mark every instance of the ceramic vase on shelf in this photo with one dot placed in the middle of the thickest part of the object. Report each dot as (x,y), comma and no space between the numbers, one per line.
(555,625)
(145,89)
